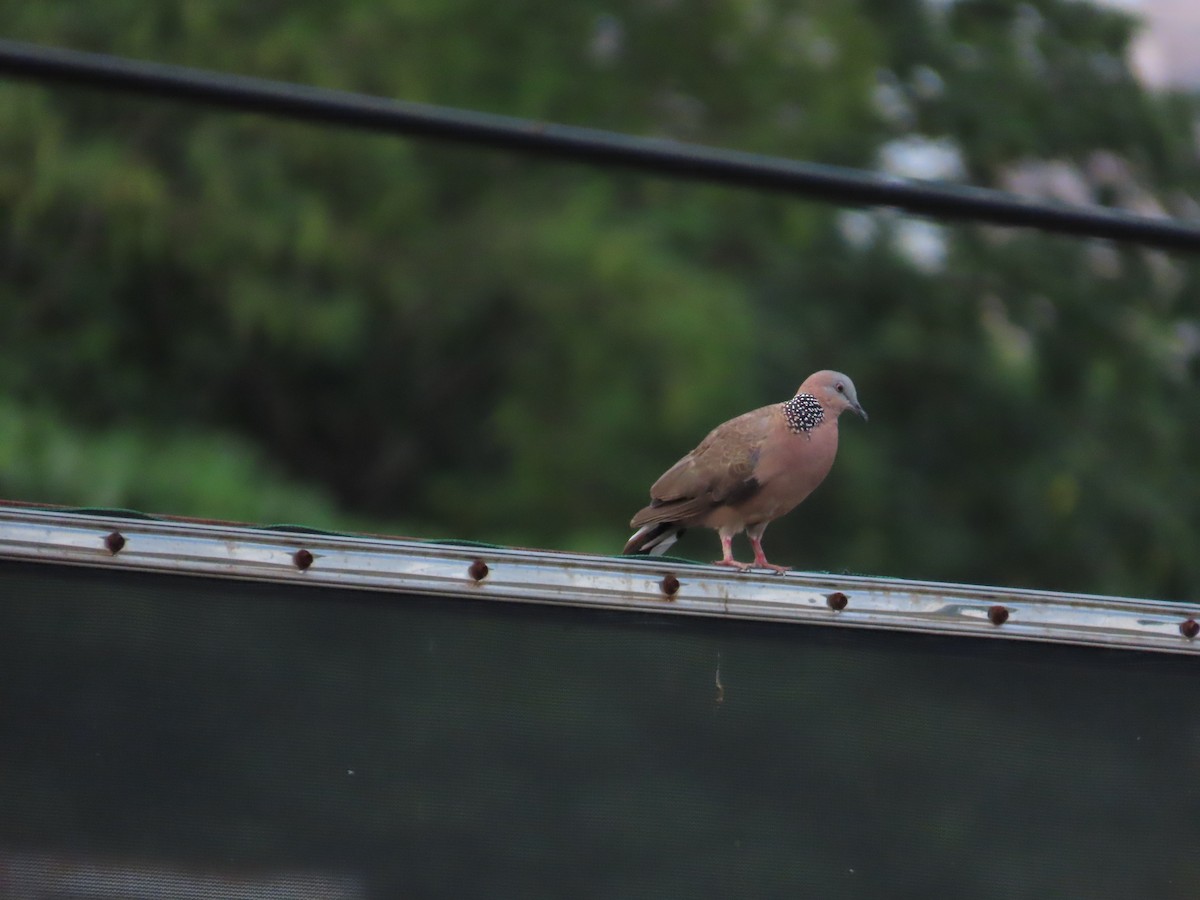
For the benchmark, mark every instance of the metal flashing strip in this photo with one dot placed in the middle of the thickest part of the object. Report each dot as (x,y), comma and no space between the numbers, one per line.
(595,582)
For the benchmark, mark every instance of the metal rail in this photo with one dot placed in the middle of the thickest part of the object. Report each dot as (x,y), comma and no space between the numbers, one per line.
(597,582)
(829,183)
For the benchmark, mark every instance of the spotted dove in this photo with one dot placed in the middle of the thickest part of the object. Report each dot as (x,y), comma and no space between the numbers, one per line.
(749,471)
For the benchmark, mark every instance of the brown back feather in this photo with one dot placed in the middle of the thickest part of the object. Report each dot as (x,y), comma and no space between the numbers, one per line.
(719,470)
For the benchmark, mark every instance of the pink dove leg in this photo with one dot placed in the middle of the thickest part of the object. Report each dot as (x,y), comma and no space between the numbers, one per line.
(760,559)
(727,559)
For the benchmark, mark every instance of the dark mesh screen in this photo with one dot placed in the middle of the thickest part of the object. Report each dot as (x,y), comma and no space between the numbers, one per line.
(236,739)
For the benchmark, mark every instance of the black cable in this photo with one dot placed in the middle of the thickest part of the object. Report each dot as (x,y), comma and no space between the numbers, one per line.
(832,183)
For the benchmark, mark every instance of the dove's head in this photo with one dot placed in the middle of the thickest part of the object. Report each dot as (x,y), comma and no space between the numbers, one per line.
(834,391)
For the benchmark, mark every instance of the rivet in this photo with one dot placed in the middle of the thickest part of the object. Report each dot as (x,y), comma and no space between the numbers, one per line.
(478,570)
(998,614)
(1189,629)
(669,585)
(303,559)
(837,601)
(115,542)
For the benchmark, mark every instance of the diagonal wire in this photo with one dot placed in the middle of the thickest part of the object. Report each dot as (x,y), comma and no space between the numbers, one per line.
(606,148)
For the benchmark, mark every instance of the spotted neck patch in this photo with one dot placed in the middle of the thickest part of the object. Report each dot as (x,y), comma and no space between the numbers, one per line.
(803,413)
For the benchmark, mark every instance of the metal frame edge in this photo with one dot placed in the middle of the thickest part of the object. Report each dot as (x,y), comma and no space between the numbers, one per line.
(596,582)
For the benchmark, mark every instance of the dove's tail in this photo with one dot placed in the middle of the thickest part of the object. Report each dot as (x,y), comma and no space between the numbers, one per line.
(654,539)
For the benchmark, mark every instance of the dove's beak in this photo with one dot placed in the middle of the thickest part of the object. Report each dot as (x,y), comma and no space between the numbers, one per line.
(858,409)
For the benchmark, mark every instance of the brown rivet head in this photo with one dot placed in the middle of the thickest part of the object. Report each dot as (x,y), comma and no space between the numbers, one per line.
(478,570)
(998,614)
(837,601)
(303,559)
(115,542)
(669,585)
(1189,629)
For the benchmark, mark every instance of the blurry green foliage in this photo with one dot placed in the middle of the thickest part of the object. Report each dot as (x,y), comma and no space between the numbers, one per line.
(226,315)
